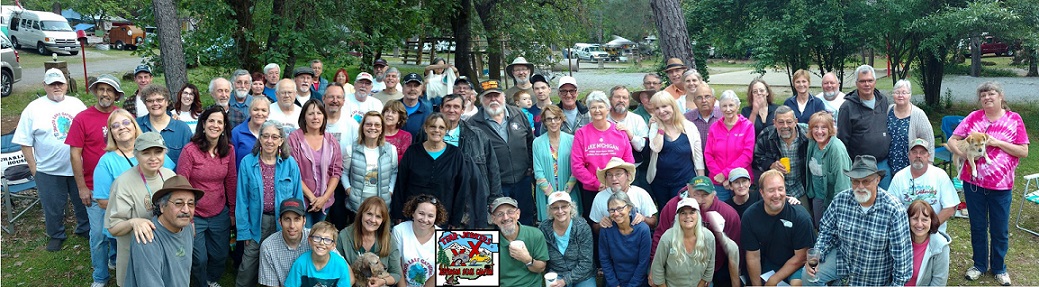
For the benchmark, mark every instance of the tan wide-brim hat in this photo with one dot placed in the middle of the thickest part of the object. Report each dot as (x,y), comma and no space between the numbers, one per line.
(616,162)
(518,61)
(674,63)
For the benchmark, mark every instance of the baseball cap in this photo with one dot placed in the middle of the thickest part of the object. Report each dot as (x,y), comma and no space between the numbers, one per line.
(142,69)
(688,202)
(464,79)
(54,75)
(738,173)
(538,78)
(364,76)
(379,62)
(490,86)
(412,77)
(558,196)
(501,201)
(701,183)
(303,71)
(567,80)
(291,204)
(149,140)
(919,142)
(107,79)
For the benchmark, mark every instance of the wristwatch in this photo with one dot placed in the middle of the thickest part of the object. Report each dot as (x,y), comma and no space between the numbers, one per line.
(530,263)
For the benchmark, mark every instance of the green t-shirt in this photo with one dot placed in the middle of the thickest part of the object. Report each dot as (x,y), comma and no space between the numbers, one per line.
(515,273)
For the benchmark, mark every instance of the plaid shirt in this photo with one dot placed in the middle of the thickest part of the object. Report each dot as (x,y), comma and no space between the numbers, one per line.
(130,104)
(873,245)
(795,177)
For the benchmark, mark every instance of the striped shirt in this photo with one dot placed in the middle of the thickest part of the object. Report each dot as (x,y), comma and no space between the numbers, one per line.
(872,244)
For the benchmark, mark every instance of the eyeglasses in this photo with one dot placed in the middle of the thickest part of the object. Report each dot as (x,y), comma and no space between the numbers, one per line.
(320,240)
(902,93)
(870,81)
(551,119)
(180,204)
(617,209)
(270,136)
(118,125)
(616,174)
(564,92)
(650,83)
(861,181)
(155,101)
(502,213)
(560,208)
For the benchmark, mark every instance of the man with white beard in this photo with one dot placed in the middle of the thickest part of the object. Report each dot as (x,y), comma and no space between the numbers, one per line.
(304,78)
(864,234)
(511,138)
(238,111)
(923,181)
(831,95)
(220,90)
(361,101)
(520,71)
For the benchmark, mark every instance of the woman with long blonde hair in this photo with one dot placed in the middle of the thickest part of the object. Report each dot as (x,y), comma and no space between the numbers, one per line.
(685,255)
(674,142)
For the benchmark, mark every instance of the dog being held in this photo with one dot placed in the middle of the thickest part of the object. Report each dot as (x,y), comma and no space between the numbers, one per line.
(367,267)
(973,146)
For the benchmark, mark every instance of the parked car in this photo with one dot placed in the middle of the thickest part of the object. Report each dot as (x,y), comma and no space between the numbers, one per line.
(45,31)
(10,69)
(126,37)
(990,45)
(590,52)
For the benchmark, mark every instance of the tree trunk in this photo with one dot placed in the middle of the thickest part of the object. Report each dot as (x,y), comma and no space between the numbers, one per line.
(1033,70)
(674,36)
(975,56)
(170,44)
(278,19)
(460,22)
(490,26)
(247,48)
(932,70)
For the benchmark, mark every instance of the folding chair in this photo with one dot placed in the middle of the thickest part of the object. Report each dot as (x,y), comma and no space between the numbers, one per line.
(11,155)
(942,153)
(1031,195)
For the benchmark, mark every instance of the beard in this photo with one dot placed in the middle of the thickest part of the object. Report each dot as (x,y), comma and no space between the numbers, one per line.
(494,111)
(241,94)
(786,133)
(523,80)
(918,165)
(304,89)
(859,196)
(620,108)
(829,95)
(509,229)
(380,77)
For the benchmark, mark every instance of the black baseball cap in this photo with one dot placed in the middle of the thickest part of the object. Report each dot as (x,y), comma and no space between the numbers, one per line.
(412,77)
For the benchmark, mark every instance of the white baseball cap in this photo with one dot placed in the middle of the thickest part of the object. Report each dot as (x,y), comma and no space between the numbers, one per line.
(559,196)
(567,80)
(54,75)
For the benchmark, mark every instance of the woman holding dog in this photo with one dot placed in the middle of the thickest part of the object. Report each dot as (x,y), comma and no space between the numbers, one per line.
(905,122)
(370,233)
(988,188)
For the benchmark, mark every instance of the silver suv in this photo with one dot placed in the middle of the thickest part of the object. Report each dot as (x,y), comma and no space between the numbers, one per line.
(10,69)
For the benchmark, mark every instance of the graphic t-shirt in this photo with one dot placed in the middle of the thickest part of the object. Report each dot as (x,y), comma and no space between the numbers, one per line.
(303,273)
(997,174)
(45,125)
(371,174)
(933,187)
(418,258)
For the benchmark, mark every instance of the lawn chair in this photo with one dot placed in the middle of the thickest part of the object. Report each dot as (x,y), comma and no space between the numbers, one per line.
(942,155)
(11,157)
(1031,195)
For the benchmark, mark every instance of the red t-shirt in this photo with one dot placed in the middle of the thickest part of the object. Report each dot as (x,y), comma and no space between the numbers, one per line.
(89,131)
(401,141)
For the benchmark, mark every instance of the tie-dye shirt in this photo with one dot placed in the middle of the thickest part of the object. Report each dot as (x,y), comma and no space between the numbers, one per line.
(997,174)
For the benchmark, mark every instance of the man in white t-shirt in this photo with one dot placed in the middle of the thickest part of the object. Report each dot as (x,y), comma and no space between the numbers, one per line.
(618,176)
(923,181)
(361,101)
(41,132)
(831,95)
(285,110)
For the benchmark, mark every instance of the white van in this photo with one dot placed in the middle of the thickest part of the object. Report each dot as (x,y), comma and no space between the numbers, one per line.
(43,31)
(590,52)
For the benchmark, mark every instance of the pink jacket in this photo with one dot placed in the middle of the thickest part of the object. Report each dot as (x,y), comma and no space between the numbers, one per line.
(728,149)
(592,149)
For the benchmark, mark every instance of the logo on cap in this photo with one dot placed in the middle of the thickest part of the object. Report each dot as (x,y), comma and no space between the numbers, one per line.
(699,181)
(489,85)
(290,204)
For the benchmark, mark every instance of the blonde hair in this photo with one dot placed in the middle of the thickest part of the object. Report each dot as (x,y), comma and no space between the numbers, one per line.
(111,145)
(823,118)
(664,98)
(699,253)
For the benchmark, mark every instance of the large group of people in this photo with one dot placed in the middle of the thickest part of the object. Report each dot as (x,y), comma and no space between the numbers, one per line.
(676,186)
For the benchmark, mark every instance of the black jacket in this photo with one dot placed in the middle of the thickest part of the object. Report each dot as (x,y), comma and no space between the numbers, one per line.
(449,178)
(477,146)
(766,151)
(514,156)
(864,130)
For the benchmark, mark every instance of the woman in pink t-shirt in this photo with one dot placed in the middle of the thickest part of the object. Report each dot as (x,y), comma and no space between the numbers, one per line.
(594,145)
(989,193)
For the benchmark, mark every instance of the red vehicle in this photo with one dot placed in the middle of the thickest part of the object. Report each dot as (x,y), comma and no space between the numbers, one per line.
(993,45)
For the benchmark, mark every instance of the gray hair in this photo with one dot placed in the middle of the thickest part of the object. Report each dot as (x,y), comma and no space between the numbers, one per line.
(622,197)
(596,96)
(865,69)
(239,73)
(649,75)
(270,66)
(315,61)
(729,95)
(213,82)
(284,151)
(618,88)
(393,70)
(157,208)
(902,84)
(277,86)
(690,72)
(258,101)
(783,109)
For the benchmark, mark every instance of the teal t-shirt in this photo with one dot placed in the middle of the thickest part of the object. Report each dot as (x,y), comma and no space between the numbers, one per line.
(303,274)
(515,273)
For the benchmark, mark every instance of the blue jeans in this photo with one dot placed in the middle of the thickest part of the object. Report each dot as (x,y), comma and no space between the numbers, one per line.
(989,215)
(102,252)
(826,271)
(590,282)
(722,193)
(664,190)
(888,173)
(523,192)
(315,217)
(55,193)
(211,247)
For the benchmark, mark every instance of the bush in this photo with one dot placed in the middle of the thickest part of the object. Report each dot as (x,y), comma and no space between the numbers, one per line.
(963,69)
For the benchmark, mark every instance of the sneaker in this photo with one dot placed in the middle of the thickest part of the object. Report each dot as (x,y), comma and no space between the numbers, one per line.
(1003,279)
(973,274)
(97,284)
(55,244)
(214,284)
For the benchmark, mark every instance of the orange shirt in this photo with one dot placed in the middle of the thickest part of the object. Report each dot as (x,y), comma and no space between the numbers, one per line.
(674,91)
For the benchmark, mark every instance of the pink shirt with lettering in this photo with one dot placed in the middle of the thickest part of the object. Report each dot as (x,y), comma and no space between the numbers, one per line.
(593,148)
(997,174)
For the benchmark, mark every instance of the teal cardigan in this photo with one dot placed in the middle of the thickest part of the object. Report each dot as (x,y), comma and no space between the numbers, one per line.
(543,170)
(835,162)
(249,201)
